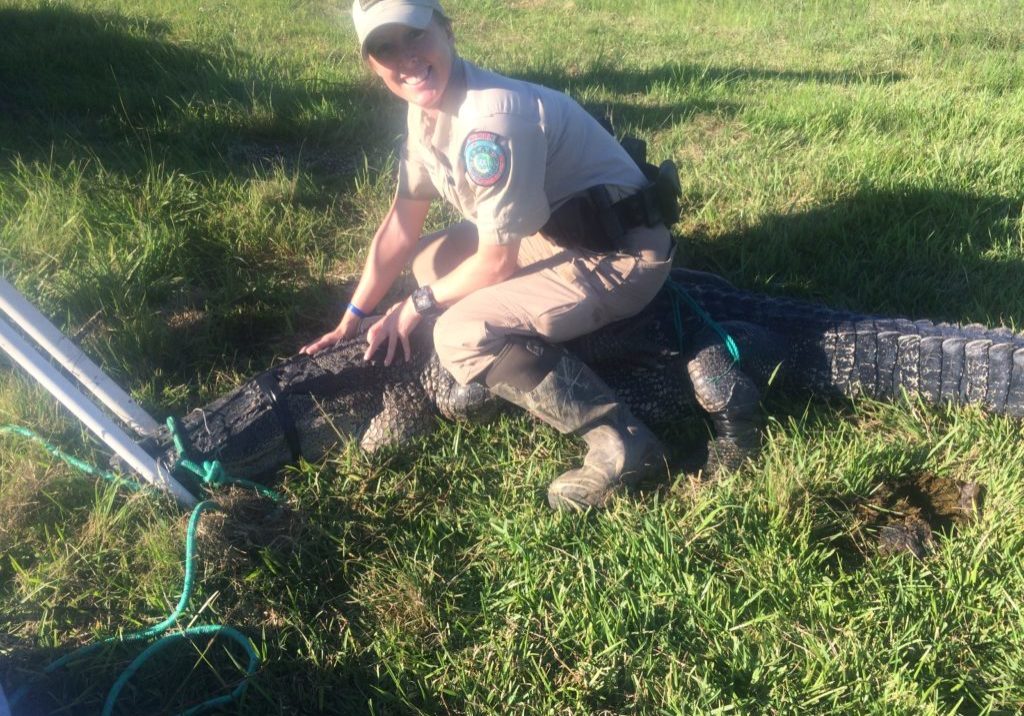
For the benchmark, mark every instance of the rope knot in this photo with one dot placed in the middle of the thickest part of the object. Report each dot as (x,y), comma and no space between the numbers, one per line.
(214,474)
(211,472)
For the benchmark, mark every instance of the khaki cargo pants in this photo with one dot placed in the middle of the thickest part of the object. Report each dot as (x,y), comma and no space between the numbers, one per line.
(557,294)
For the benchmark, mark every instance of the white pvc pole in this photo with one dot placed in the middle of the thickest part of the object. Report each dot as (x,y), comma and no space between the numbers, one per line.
(35,324)
(106,429)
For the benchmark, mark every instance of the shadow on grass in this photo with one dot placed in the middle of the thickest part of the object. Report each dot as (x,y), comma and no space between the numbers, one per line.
(923,253)
(170,682)
(120,89)
(173,682)
(628,113)
(119,93)
(294,582)
(19,668)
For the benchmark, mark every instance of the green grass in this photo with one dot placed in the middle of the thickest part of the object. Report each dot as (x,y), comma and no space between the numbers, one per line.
(188,188)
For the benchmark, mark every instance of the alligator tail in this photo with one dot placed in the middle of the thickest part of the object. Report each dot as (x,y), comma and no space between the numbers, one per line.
(844,353)
(883,358)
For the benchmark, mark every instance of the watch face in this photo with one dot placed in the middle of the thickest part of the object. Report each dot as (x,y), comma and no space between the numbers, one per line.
(423,300)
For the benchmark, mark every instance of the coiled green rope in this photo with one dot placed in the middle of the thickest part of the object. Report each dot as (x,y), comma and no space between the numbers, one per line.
(210,473)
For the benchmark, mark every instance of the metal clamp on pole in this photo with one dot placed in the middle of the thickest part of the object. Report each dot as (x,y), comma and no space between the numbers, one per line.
(12,343)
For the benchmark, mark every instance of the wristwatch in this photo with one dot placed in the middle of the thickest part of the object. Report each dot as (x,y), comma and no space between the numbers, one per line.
(424,303)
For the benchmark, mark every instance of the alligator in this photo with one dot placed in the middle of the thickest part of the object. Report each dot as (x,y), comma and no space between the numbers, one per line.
(701,348)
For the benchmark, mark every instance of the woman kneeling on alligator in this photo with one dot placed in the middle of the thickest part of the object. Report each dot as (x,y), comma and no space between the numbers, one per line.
(561,235)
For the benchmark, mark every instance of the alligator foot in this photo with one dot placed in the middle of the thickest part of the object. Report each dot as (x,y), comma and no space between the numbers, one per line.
(732,401)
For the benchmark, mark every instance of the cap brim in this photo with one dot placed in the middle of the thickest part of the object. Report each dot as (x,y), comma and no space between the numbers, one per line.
(417,16)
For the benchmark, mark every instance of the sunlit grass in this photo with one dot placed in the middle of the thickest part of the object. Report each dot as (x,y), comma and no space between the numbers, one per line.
(188,189)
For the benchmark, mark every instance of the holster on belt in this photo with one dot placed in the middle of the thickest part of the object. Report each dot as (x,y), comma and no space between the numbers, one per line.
(664,179)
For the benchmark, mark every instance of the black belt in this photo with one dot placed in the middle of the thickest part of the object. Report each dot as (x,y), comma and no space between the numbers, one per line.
(639,209)
(591,220)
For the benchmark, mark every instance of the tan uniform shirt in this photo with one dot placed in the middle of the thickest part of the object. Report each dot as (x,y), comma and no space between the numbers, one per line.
(505,153)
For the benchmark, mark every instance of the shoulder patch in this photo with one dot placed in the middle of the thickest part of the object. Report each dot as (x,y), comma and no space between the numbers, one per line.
(486,158)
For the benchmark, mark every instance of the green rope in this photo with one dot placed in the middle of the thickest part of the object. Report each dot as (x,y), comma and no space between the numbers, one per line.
(152,649)
(679,293)
(164,641)
(71,460)
(212,474)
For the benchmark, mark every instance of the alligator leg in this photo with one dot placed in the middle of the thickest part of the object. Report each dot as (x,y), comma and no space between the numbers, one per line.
(730,396)
(472,403)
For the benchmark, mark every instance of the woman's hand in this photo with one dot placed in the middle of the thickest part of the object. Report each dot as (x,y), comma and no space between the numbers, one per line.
(346,329)
(394,328)
(392,247)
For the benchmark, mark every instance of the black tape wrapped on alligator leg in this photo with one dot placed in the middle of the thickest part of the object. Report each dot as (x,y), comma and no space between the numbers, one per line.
(729,389)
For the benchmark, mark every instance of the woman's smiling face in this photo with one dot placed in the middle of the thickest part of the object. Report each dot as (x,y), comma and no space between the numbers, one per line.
(414,64)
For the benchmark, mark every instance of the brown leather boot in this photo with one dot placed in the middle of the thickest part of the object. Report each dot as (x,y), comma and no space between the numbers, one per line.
(565,393)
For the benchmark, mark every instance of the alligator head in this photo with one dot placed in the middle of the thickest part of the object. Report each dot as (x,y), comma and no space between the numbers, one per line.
(308,405)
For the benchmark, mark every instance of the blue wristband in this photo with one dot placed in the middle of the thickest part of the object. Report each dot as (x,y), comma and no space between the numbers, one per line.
(360,313)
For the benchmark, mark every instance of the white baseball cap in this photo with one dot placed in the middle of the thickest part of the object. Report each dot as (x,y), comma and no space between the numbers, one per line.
(368,15)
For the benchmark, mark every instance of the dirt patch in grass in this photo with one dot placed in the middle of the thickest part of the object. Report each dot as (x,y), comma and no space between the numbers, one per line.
(901,515)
